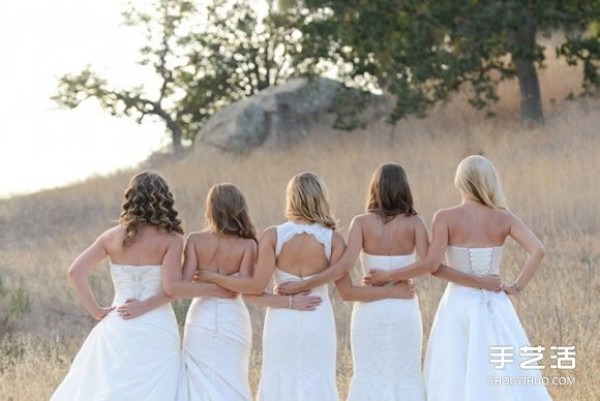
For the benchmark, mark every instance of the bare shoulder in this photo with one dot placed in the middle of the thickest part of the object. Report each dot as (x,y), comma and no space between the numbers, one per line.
(509,216)
(197,237)
(113,235)
(249,245)
(337,239)
(444,215)
(417,221)
(174,239)
(269,233)
(362,218)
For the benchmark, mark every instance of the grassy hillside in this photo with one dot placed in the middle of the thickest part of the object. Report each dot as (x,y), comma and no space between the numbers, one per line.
(550,176)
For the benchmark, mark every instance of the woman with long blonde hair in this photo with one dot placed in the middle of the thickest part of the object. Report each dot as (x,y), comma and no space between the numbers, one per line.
(386,329)
(473,326)
(133,352)
(299,347)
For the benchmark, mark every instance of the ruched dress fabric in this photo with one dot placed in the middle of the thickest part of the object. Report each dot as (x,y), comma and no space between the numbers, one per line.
(299,347)
(128,360)
(459,365)
(386,339)
(216,349)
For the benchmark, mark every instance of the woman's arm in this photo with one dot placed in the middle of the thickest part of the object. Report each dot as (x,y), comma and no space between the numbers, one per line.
(430,263)
(303,301)
(490,282)
(79,271)
(534,247)
(364,293)
(178,284)
(337,269)
(263,270)
(400,289)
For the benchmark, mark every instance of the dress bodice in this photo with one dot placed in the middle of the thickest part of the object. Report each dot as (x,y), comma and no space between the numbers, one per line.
(289,230)
(280,276)
(384,262)
(478,261)
(139,282)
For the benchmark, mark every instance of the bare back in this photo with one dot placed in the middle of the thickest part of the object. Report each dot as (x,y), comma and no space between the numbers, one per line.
(396,237)
(148,248)
(303,249)
(219,253)
(473,225)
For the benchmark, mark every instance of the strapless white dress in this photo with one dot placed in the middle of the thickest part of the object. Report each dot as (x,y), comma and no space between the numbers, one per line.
(216,350)
(128,360)
(458,364)
(386,339)
(299,350)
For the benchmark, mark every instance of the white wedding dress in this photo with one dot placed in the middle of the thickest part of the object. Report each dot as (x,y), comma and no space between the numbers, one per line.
(299,347)
(128,360)
(458,364)
(386,339)
(216,350)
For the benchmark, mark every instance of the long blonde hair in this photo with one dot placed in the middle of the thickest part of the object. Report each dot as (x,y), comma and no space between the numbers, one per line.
(306,198)
(477,177)
(227,212)
(148,200)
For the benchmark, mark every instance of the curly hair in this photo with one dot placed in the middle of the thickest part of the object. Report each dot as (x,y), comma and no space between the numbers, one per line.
(148,200)
(389,193)
(307,199)
(227,212)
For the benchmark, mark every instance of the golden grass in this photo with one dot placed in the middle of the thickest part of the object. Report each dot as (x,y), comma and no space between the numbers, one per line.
(550,175)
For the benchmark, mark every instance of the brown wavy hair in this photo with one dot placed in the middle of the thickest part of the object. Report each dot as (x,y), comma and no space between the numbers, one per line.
(227,212)
(389,193)
(307,199)
(148,200)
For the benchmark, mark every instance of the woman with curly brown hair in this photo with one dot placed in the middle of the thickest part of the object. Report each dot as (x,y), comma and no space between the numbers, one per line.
(125,358)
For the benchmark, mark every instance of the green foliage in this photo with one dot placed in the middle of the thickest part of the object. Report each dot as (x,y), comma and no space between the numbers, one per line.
(14,304)
(204,58)
(181,306)
(423,51)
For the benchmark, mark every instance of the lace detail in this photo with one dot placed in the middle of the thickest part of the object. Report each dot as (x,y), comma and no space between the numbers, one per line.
(389,368)
(289,230)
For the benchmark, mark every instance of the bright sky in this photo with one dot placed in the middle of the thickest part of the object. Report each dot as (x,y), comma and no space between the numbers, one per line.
(42,146)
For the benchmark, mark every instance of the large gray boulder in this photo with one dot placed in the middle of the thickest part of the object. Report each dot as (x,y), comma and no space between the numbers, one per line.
(282,115)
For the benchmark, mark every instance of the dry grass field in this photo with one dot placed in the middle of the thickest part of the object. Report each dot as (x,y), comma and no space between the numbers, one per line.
(550,175)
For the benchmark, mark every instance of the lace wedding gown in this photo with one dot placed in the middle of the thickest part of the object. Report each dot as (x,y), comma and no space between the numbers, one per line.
(122,360)
(299,347)
(458,363)
(216,350)
(386,339)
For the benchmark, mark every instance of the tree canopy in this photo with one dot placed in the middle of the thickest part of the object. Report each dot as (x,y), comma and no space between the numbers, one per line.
(424,50)
(420,51)
(204,58)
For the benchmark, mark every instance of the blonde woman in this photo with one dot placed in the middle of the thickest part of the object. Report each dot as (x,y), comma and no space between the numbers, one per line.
(132,354)
(386,327)
(299,347)
(459,363)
